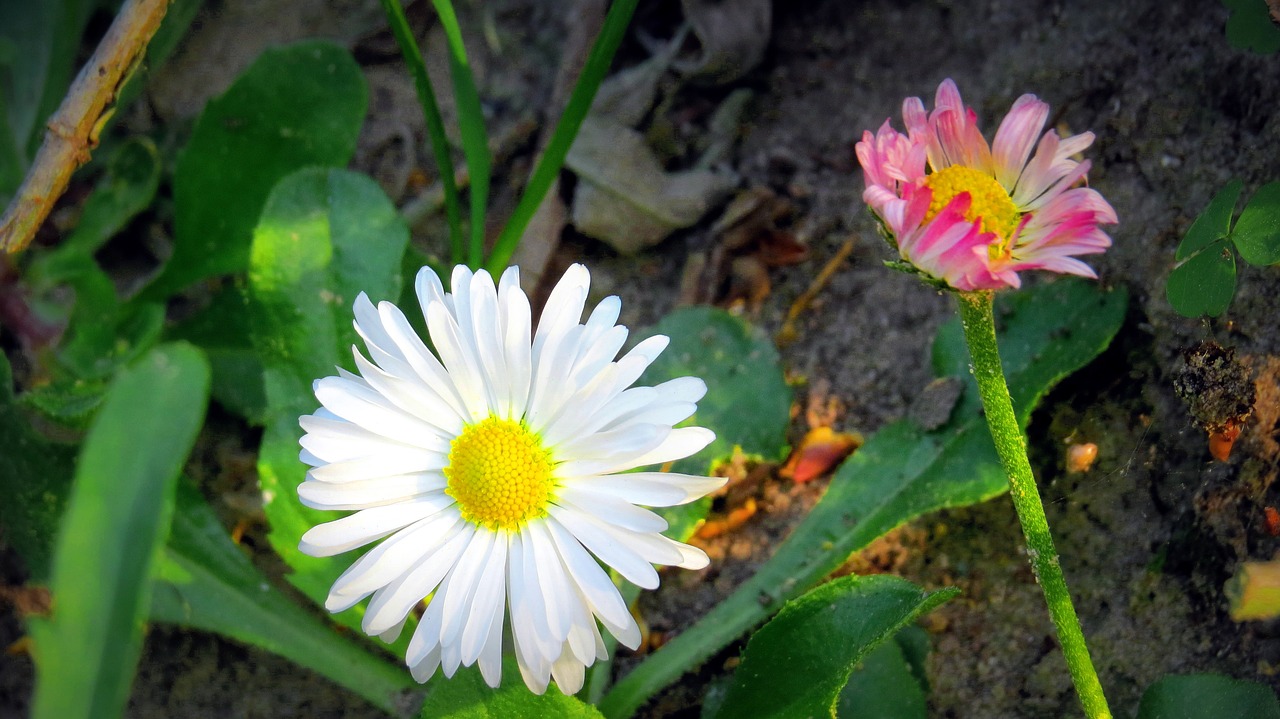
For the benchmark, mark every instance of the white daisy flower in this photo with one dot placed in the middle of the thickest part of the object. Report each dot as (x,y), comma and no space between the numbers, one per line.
(489,469)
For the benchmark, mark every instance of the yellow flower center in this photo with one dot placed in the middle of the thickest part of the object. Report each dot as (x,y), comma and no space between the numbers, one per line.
(990,203)
(499,474)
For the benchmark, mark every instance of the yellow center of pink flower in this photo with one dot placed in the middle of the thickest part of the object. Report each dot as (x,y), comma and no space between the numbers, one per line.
(989,203)
(500,474)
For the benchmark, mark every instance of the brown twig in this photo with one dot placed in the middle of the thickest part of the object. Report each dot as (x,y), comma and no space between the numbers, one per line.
(788,333)
(73,130)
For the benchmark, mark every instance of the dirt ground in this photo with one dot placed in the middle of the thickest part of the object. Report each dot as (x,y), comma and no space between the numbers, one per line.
(1147,536)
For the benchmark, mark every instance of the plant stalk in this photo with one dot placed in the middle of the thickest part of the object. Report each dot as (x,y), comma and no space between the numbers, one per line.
(980,334)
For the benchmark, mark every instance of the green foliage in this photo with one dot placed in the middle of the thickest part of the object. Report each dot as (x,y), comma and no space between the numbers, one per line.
(324,237)
(116,521)
(297,106)
(466,696)
(34,476)
(1250,26)
(748,402)
(903,471)
(890,682)
(1207,696)
(798,663)
(1204,281)
(222,330)
(205,581)
(552,159)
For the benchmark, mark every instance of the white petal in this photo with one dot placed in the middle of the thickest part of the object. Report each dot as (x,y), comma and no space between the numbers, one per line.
(517,325)
(370,410)
(629,563)
(399,597)
(411,395)
(425,364)
(597,589)
(605,445)
(379,466)
(568,673)
(395,557)
(635,491)
(490,599)
(682,442)
(461,588)
(615,511)
(693,485)
(356,530)
(364,494)
(459,359)
(486,331)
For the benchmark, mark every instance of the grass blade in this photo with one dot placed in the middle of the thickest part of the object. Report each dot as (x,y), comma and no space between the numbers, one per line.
(548,167)
(435,125)
(116,522)
(475,141)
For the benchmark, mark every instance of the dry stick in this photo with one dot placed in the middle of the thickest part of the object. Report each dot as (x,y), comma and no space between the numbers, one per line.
(788,333)
(73,130)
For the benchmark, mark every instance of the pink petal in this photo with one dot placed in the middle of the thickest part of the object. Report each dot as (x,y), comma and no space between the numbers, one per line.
(1016,137)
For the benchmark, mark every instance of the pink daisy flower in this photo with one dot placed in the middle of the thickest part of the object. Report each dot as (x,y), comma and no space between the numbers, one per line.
(973,215)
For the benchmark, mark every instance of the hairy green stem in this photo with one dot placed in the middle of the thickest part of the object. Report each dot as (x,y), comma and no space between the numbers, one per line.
(980,334)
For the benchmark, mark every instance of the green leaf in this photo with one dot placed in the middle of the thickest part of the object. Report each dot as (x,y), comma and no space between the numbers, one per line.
(297,106)
(884,685)
(1250,26)
(1257,232)
(748,402)
(798,663)
(903,471)
(1207,696)
(475,141)
(206,582)
(1204,284)
(41,40)
(552,158)
(127,188)
(115,524)
(324,237)
(466,696)
(1214,222)
(222,330)
(34,476)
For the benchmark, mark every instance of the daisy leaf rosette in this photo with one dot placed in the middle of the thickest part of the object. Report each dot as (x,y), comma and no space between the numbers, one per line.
(971,215)
(490,469)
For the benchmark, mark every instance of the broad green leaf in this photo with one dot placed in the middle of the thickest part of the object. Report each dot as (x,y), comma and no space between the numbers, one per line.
(902,472)
(39,41)
(1257,232)
(115,524)
(1214,222)
(798,663)
(297,106)
(324,237)
(466,696)
(1204,284)
(748,402)
(884,685)
(206,582)
(34,476)
(1250,28)
(222,330)
(1208,696)
(125,190)
(67,402)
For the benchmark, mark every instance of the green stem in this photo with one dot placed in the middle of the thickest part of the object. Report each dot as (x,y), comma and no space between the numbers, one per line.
(548,167)
(435,124)
(980,334)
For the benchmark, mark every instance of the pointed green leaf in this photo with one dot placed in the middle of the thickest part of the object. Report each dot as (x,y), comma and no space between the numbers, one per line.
(116,521)
(1207,696)
(297,106)
(1250,27)
(1204,284)
(798,663)
(1214,222)
(903,471)
(34,476)
(324,237)
(206,582)
(887,684)
(1257,232)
